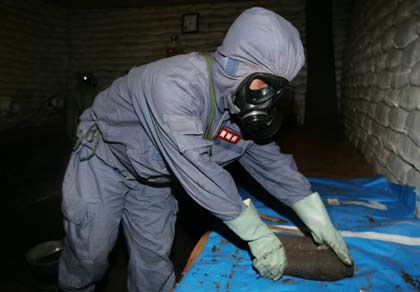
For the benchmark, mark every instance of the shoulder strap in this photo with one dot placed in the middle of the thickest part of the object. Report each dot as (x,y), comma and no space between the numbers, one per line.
(208,134)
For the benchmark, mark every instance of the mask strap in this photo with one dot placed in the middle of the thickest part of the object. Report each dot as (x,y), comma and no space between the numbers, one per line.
(208,134)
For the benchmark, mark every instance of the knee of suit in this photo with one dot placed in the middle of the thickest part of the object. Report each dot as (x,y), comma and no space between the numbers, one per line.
(90,233)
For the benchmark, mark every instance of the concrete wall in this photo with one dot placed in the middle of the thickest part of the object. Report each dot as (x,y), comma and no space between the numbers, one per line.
(33,61)
(382,87)
(108,43)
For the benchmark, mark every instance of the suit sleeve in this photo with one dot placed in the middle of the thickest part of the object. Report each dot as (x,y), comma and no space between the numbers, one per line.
(171,116)
(276,172)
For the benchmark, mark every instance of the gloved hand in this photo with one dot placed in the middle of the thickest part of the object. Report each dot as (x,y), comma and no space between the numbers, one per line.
(270,259)
(312,212)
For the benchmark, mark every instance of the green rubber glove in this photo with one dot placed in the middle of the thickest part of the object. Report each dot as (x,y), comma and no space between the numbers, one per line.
(312,212)
(270,259)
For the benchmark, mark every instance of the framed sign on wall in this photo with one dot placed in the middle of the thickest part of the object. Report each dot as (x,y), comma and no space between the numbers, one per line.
(190,22)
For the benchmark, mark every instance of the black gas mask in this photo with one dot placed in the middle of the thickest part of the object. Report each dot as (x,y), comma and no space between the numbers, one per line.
(259,110)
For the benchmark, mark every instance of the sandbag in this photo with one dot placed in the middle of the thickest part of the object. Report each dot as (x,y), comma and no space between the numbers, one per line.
(310,261)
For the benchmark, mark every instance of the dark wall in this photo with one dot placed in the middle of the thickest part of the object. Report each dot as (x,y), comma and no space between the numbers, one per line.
(341,20)
(110,42)
(43,47)
(33,58)
(321,104)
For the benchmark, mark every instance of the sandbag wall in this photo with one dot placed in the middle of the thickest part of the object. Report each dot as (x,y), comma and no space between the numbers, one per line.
(33,62)
(381,98)
(109,42)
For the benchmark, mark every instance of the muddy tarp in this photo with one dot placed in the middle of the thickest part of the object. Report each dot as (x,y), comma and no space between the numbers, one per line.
(376,219)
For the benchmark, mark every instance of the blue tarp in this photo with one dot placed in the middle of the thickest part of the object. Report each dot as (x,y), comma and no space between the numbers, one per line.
(387,260)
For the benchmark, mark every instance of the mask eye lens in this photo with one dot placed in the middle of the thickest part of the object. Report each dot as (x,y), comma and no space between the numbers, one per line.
(261,95)
(268,91)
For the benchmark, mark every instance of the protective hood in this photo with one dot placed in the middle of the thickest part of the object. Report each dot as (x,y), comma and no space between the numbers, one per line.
(259,40)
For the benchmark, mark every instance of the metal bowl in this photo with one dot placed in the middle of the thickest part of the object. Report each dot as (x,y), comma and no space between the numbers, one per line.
(43,258)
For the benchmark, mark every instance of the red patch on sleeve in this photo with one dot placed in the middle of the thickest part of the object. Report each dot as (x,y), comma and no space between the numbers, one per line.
(228,136)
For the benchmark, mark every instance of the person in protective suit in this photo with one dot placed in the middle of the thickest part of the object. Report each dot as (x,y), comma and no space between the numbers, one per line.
(165,122)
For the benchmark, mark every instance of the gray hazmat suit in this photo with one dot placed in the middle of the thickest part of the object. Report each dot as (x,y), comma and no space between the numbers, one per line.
(151,125)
